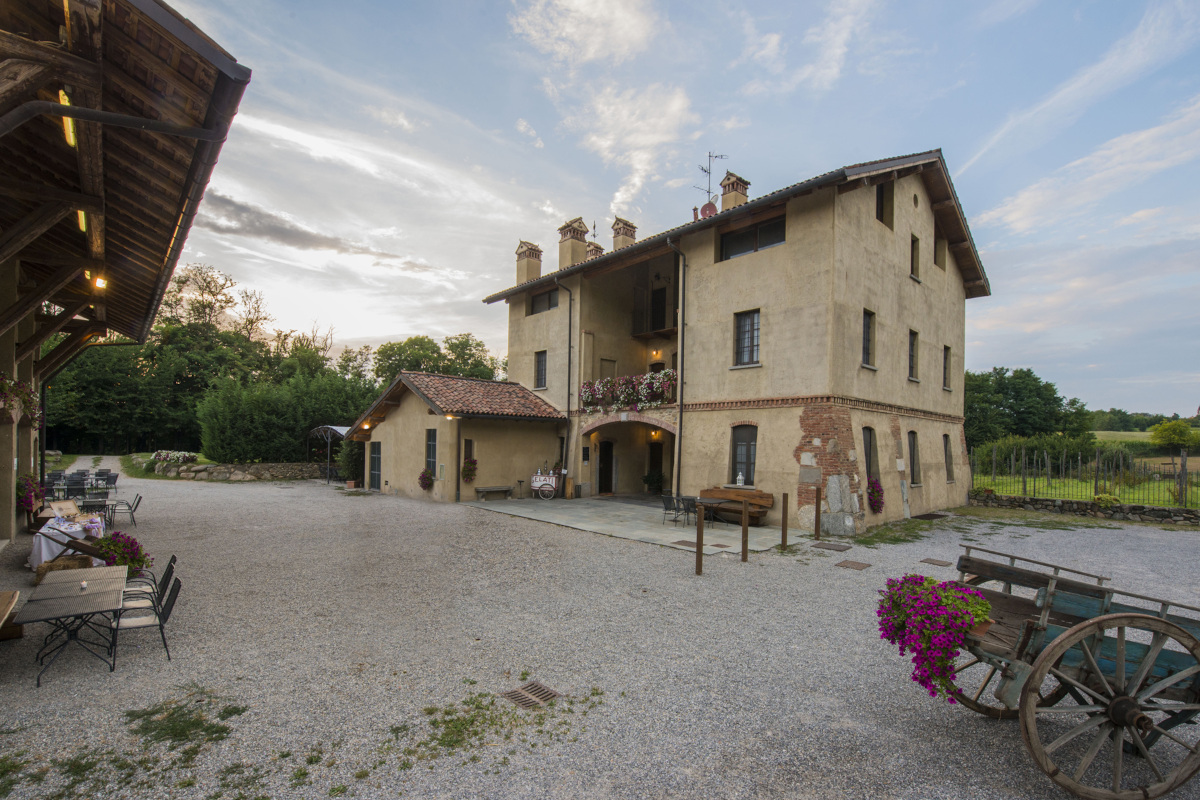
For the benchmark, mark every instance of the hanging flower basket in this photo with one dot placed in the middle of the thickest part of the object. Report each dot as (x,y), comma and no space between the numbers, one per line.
(425,479)
(469,469)
(874,495)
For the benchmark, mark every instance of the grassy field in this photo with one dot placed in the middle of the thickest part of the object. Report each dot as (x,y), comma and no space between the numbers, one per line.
(1123,436)
(65,463)
(1149,493)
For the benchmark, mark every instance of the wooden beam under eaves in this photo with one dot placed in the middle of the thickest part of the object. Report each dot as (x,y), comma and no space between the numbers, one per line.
(84,26)
(48,329)
(62,355)
(20,80)
(33,225)
(32,301)
(31,190)
(67,67)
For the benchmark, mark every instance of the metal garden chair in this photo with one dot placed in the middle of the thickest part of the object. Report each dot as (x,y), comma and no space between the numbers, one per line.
(146,618)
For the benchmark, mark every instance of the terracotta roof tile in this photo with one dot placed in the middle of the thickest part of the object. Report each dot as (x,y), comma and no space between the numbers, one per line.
(454,395)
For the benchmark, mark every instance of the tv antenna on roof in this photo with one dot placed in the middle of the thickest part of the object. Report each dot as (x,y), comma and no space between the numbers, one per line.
(593,229)
(709,196)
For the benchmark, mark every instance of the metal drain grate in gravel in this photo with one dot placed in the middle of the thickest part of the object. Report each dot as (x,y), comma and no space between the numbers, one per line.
(531,695)
(852,565)
(841,548)
(937,562)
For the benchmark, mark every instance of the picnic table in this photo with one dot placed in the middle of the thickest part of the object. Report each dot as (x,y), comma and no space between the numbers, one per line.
(70,600)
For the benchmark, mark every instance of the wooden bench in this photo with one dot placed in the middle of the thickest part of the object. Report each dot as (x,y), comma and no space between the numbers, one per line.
(757,501)
(8,601)
(481,492)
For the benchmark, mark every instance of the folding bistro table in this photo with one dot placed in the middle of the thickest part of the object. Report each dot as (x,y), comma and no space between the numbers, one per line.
(69,606)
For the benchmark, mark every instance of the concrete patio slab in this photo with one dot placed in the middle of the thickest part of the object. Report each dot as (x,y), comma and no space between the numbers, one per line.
(636,521)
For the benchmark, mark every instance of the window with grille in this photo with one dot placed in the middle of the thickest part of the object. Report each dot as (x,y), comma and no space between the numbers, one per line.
(745,350)
(914,459)
(431,450)
(870,453)
(744,444)
(539,369)
(912,355)
(868,339)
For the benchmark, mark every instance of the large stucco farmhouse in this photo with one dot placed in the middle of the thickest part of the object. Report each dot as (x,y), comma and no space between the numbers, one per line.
(811,337)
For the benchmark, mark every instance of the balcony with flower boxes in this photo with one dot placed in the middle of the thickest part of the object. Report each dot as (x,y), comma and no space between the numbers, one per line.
(649,396)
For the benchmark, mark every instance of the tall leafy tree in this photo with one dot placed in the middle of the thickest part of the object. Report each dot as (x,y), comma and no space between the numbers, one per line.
(414,354)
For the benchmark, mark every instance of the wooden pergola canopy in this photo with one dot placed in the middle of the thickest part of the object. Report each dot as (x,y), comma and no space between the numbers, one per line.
(149,99)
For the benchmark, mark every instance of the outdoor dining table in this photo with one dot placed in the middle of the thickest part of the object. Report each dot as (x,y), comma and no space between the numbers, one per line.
(46,549)
(710,505)
(69,600)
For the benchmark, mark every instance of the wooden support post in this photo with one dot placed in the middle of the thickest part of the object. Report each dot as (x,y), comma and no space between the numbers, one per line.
(784,525)
(700,540)
(745,530)
(817,523)
(32,301)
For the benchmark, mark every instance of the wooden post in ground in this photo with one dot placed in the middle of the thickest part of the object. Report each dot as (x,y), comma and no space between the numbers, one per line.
(1046,455)
(700,540)
(1024,491)
(1096,476)
(1182,478)
(745,530)
(993,466)
(784,526)
(817,524)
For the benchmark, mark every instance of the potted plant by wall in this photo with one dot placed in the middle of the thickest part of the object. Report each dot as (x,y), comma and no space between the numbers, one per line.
(654,481)
(425,479)
(931,620)
(470,468)
(30,495)
(120,549)
(875,495)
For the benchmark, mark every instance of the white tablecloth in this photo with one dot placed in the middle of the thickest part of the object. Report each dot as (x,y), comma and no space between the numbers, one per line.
(46,550)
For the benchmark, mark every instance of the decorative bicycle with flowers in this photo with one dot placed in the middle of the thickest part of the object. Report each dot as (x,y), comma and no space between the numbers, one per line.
(1105,683)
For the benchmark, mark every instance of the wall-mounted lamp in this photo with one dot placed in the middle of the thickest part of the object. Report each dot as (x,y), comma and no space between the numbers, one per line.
(366,425)
(653,434)
(654,353)
(449,416)
(101,283)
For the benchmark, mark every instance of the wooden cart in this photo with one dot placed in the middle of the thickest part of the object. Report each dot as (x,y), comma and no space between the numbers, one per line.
(1105,684)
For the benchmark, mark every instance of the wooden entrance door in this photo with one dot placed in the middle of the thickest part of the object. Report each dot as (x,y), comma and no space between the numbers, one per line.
(656,457)
(605,477)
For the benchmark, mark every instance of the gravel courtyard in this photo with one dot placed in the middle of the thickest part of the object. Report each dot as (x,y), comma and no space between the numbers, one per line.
(321,628)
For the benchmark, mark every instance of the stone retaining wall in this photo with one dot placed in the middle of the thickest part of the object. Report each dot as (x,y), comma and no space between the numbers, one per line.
(1085,508)
(235,472)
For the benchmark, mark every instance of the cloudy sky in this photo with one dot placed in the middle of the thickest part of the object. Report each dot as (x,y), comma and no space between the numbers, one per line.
(389,156)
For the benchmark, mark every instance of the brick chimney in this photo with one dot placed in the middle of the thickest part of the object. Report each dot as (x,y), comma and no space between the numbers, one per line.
(572,244)
(624,233)
(529,262)
(733,191)
(594,250)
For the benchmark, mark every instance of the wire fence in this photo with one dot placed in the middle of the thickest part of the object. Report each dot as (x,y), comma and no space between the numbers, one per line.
(1163,481)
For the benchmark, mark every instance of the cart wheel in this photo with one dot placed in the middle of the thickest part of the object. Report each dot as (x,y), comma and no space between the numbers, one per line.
(976,680)
(1132,680)
(545,492)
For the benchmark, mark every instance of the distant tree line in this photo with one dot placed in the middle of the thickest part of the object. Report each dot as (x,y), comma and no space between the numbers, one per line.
(1011,406)
(211,378)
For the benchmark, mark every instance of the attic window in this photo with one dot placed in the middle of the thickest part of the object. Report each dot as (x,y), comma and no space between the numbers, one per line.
(884,196)
(543,302)
(752,239)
